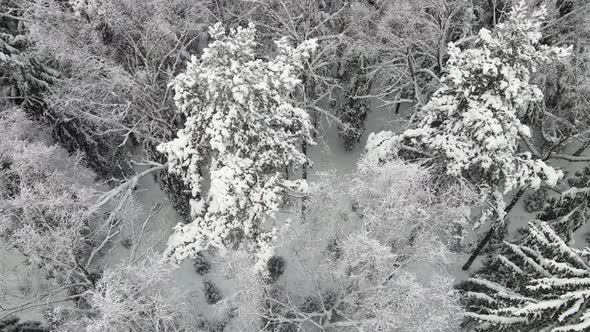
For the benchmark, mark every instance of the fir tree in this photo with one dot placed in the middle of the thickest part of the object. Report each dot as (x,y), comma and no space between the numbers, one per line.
(541,284)
(474,123)
(242,126)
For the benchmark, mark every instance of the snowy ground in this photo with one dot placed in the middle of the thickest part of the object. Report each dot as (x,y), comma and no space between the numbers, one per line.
(17,283)
(328,155)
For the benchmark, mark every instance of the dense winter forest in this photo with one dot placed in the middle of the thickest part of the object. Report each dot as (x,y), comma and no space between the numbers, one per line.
(294,165)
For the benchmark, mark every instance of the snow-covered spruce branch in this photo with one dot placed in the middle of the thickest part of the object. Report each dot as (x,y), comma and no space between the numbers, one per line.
(540,284)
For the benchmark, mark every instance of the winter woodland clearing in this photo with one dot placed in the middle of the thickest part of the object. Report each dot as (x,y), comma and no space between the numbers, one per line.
(294,165)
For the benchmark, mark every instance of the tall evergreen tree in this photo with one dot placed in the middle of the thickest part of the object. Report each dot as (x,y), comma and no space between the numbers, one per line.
(473,124)
(243,128)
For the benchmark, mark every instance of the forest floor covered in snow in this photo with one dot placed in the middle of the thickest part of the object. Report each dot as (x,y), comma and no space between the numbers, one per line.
(329,157)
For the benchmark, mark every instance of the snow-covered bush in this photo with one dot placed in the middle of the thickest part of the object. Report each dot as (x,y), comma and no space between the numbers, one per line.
(51,214)
(201,264)
(398,204)
(212,292)
(212,326)
(47,214)
(365,289)
(400,229)
(472,125)
(276,267)
(242,126)
(127,243)
(393,257)
(131,298)
(86,7)
(334,248)
(540,284)
(376,288)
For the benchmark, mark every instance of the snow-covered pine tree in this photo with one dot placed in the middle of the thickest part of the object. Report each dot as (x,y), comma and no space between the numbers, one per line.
(471,127)
(472,124)
(243,127)
(541,284)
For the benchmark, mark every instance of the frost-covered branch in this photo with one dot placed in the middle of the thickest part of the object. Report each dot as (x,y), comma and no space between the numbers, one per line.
(128,185)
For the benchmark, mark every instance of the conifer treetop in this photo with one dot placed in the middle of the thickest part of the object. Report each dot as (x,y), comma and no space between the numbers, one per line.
(473,122)
(242,125)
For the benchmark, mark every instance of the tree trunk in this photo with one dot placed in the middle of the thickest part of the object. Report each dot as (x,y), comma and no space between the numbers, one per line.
(315,118)
(491,232)
(304,168)
(304,177)
(581,149)
(479,248)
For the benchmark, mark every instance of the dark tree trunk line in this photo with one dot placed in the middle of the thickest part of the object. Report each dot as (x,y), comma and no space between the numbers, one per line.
(490,234)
